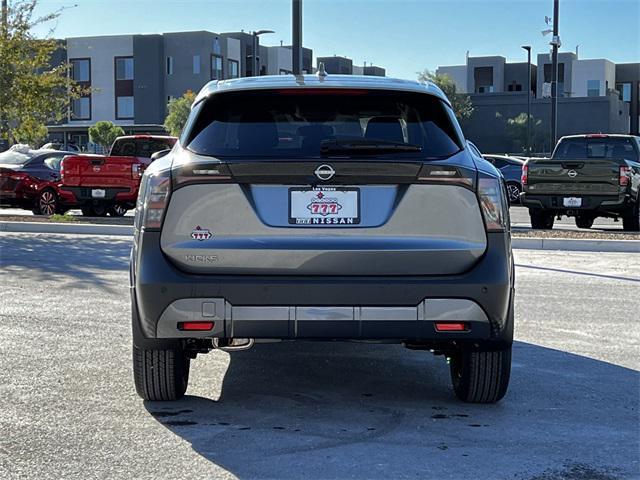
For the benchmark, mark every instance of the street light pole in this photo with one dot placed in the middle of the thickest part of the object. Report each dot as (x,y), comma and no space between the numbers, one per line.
(255,70)
(555,43)
(528,143)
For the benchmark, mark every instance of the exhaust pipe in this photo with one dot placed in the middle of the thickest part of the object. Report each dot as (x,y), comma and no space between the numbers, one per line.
(233,344)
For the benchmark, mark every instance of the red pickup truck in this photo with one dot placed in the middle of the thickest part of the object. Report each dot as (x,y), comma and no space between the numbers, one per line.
(101,184)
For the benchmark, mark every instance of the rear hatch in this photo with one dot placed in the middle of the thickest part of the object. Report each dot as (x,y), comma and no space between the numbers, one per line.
(355,182)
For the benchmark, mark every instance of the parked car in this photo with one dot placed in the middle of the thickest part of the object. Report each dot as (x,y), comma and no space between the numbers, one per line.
(30,179)
(588,176)
(511,168)
(323,208)
(108,184)
(70,147)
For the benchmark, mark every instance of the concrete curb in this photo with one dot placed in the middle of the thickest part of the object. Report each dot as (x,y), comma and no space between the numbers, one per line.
(576,245)
(567,244)
(69,228)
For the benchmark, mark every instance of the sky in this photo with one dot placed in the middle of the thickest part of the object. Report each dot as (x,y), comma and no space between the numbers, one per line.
(404,36)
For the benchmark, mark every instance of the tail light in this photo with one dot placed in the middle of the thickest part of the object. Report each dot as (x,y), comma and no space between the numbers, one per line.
(136,171)
(625,173)
(153,197)
(62,170)
(493,202)
(446,174)
(525,174)
(200,172)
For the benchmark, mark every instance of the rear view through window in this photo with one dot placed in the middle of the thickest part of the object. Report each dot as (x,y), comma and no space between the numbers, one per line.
(140,147)
(316,123)
(596,147)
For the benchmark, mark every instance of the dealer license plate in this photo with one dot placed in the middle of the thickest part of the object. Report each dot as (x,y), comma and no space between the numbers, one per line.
(324,206)
(572,202)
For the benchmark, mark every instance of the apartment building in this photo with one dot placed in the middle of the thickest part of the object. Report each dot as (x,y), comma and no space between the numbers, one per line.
(131,78)
(595,95)
(344,66)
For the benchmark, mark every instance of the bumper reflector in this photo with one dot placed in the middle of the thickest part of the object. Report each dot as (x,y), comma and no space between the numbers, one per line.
(451,327)
(195,326)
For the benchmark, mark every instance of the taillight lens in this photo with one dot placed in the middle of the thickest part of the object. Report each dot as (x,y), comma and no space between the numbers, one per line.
(625,173)
(493,202)
(200,172)
(525,174)
(446,174)
(62,170)
(137,170)
(153,198)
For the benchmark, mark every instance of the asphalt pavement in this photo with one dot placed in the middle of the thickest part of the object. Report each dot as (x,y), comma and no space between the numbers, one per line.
(313,410)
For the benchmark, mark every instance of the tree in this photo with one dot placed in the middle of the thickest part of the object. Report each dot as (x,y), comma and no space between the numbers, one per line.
(460,102)
(517,131)
(104,133)
(33,92)
(178,112)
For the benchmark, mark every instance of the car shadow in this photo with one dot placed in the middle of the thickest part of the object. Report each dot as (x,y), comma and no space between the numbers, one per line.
(78,260)
(345,410)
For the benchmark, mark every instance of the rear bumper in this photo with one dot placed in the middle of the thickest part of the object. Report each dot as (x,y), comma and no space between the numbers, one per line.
(325,307)
(601,203)
(83,195)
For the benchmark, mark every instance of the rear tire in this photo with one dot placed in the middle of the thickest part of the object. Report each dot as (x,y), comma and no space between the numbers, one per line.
(584,221)
(481,376)
(541,219)
(117,210)
(631,221)
(160,375)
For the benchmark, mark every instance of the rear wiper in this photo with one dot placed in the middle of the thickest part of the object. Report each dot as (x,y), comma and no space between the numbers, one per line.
(365,146)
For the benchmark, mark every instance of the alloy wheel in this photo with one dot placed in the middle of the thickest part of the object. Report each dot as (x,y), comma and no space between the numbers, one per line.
(514,193)
(47,203)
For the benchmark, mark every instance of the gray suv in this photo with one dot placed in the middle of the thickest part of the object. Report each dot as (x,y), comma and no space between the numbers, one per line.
(322,207)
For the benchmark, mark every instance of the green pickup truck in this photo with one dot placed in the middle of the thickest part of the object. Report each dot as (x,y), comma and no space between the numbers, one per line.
(587,176)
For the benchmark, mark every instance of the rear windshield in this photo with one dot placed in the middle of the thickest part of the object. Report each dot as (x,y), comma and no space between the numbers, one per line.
(140,147)
(597,147)
(301,123)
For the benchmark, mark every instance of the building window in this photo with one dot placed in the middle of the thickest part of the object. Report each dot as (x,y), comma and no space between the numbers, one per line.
(514,87)
(216,67)
(81,74)
(234,69)
(624,91)
(169,65)
(124,68)
(124,107)
(123,87)
(196,64)
(81,70)
(483,79)
(81,109)
(547,69)
(593,88)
